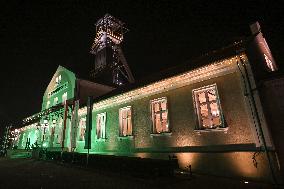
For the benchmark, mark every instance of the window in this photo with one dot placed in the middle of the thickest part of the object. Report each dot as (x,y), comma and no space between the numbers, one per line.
(55,101)
(82,129)
(101,122)
(125,124)
(47,104)
(45,130)
(159,112)
(64,97)
(58,80)
(208,107)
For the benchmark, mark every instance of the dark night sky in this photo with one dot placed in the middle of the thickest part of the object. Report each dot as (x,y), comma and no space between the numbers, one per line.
(37,36)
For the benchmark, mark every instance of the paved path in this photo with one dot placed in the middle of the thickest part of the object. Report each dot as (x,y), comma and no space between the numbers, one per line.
(29,173)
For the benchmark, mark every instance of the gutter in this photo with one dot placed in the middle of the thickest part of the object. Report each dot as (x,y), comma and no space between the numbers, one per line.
(249,91)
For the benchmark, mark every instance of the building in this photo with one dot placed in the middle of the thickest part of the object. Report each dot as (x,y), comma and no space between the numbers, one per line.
(213,113)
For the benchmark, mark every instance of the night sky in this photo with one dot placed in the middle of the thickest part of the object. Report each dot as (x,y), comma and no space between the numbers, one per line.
(37,36)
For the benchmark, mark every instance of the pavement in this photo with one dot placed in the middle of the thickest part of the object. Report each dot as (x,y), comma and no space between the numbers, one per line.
(30,173)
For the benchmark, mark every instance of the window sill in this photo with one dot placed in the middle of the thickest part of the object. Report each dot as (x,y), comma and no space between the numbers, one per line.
(218,129)
(161,134)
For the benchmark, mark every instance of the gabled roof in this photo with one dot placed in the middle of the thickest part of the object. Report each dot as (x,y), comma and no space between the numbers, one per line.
(59,69)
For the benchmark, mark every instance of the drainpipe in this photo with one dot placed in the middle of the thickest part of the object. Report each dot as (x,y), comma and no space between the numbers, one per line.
(252,99)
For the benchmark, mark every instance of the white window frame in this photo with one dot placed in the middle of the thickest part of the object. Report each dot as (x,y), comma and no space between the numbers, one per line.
(196,103)
(152,103)
(101,123)
(122,127)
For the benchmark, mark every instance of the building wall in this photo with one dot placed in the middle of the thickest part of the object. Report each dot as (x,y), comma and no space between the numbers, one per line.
(53,121)
(272,94)
(231,152)
(228,153)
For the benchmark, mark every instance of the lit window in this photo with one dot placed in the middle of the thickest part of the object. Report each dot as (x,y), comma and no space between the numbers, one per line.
(160,115)
(45,130)
(55,101)
(58,80)
(207,106)
(125,124)
(82,129)
(64,97)
(101,125)
(47,104)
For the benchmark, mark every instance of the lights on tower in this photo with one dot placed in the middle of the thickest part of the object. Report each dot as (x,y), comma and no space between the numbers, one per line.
(108,54)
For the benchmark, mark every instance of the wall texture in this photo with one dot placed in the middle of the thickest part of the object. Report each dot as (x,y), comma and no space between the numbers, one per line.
(226,153)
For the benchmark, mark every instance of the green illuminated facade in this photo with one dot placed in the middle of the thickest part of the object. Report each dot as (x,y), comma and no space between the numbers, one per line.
(47,130)
(60,88)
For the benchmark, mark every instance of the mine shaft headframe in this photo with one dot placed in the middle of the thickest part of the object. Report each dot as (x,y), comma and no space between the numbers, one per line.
(110,64)
(109,32)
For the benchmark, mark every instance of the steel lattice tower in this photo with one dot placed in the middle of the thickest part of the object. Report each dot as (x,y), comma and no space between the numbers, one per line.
(110,67)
